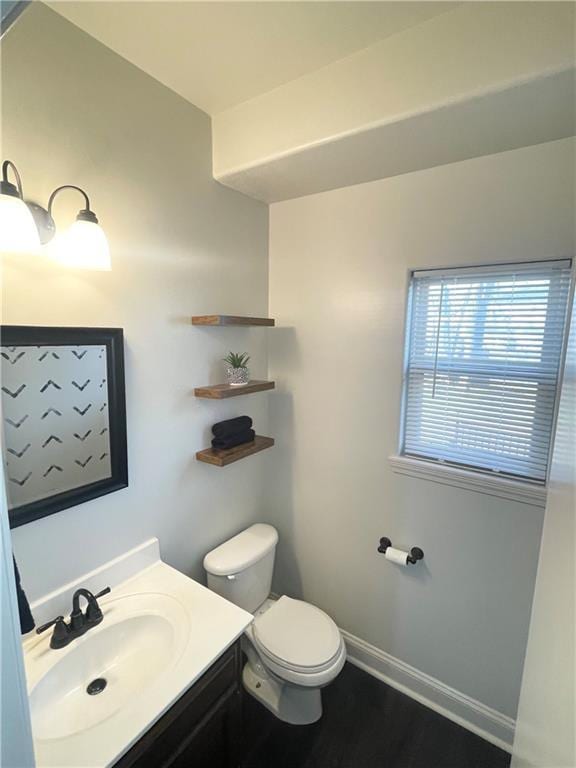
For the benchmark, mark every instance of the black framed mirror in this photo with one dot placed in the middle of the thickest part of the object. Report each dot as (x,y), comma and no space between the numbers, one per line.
(63,417)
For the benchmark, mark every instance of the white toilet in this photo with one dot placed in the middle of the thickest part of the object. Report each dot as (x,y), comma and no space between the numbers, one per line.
(294,649)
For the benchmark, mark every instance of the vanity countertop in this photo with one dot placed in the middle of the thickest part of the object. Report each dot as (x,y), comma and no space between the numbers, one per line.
(161,631)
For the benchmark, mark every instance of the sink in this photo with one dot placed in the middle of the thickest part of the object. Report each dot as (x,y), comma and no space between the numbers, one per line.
(140,640)
(92,700)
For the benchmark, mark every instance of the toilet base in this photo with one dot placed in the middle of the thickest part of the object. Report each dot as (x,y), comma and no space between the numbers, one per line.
(290,703)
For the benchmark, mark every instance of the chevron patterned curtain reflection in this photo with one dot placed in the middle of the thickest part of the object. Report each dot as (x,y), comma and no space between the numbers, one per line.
(55,419)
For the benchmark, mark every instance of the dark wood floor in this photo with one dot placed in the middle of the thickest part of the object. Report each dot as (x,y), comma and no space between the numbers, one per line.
(366,724)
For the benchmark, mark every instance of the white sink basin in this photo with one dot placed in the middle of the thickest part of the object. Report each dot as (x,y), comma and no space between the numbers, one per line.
(141,639)
(160,632)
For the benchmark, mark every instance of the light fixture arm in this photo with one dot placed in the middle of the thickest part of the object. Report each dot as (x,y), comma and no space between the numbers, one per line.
(86,214)
(6,187)
(44,219)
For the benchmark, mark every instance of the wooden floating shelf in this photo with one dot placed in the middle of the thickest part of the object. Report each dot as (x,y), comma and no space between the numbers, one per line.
(222,391)
(231,320)
(223,458)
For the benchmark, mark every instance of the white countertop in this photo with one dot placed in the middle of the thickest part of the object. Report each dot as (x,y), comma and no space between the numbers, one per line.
(207,626)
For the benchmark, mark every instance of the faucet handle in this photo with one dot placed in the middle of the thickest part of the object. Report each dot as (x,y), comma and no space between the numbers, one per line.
(94,613)
(60,636)
(48,624)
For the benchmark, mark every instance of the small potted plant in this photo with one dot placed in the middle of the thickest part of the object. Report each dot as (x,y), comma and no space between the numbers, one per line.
(237,372)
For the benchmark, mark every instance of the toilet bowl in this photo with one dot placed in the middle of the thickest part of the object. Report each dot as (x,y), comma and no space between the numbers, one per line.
(293,648)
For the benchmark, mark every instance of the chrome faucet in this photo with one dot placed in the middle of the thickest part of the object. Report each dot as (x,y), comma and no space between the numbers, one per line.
(79,623)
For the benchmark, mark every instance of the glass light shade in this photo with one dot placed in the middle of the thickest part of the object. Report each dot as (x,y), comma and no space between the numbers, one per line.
(82,246)
(18,231)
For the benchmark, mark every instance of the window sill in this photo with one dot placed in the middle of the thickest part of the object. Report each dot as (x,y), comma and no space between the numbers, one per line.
(513,490)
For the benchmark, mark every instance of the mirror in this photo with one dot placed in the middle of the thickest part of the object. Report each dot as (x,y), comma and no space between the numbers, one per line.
(63,417)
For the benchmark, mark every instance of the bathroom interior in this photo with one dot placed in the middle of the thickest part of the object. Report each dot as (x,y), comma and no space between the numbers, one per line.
(288,384)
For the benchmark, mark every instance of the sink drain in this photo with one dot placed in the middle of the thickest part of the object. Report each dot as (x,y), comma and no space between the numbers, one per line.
(96,686)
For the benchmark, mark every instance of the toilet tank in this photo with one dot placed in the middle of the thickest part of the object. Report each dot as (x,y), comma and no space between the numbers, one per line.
(241,568)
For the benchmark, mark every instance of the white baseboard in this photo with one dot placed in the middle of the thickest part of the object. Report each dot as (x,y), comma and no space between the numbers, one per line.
(484,721)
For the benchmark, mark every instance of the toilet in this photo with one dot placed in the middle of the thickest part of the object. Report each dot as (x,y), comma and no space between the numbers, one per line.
(293,648)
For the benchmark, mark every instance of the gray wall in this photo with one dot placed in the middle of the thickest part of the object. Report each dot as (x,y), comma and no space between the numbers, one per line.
(73,112)
(339,263)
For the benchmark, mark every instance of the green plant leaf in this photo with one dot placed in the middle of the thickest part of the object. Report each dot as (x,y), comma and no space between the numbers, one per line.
(237,360)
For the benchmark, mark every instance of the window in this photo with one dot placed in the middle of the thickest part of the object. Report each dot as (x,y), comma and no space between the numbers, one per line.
(484,348)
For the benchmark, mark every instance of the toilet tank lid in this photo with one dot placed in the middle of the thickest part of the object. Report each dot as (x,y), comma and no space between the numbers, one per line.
(241,551)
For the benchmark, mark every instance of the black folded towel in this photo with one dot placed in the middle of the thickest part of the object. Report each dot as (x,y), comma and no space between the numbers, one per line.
(26,619)
(231,441)
(232,426)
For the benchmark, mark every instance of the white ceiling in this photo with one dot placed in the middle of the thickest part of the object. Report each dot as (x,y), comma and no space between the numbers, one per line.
(218,54)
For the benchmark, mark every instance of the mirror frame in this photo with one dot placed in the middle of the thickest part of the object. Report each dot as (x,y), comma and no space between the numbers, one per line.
(113,340)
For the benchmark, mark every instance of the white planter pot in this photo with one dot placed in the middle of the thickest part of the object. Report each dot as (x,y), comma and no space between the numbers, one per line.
(237,377)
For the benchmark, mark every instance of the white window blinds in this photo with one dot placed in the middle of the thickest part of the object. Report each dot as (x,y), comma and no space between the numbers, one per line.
(484,348)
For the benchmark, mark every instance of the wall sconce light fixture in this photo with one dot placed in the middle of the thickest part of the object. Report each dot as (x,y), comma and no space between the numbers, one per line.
(83,245)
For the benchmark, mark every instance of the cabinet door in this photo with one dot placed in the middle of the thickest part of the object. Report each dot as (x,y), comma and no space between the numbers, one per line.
(202,729)
(215,742)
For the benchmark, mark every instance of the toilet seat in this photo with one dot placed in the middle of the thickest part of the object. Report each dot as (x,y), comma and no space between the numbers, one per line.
(299,642)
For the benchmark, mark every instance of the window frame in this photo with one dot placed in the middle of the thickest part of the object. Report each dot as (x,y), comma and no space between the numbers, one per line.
(462,475)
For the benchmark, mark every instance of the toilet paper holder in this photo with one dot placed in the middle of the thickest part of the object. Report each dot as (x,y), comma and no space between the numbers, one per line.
(415,553)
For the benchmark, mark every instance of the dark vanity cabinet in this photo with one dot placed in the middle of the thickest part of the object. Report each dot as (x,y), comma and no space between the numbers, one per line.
(202,729)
